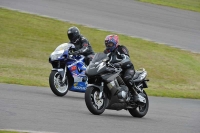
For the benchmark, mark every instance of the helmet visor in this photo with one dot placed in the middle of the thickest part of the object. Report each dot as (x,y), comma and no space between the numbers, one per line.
(71,37)
(110,44)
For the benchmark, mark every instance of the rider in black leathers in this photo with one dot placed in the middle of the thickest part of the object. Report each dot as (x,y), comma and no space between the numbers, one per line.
(82,45)
(119,57)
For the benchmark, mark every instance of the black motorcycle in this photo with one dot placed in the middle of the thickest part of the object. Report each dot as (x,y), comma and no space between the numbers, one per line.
(107,90)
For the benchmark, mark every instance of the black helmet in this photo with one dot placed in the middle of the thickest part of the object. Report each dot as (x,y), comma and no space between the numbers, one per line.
(73,34)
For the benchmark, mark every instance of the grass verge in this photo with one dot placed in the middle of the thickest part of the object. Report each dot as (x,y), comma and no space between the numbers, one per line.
(27,41)
(192,5)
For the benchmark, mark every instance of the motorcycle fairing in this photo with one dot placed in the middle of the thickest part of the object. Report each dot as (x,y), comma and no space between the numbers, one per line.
(109,77)
(80,79)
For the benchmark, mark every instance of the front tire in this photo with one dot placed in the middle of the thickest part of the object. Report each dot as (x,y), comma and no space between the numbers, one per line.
(57,86)
(95,105)
(141,110)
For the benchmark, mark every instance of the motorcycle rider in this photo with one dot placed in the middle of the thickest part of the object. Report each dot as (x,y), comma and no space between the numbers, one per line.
(119,57)
(82,45)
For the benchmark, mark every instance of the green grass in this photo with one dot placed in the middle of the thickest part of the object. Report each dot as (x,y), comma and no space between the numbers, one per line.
(26,41)
(193,5)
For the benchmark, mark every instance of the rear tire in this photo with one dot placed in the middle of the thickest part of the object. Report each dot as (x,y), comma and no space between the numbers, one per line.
(141,110)
(95,106)
(56,85)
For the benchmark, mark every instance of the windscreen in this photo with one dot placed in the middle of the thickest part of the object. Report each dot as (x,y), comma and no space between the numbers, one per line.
(64,46)
(98,57)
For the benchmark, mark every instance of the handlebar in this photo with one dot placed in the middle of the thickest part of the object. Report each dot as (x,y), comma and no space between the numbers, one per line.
(71,57)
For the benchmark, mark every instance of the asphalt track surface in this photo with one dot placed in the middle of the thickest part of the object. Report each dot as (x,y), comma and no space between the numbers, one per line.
(177,28)
(38,109)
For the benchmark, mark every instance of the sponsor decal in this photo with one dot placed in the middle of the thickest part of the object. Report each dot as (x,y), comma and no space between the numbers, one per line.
(85,44)
(79,87)
(125,51)
(75,84)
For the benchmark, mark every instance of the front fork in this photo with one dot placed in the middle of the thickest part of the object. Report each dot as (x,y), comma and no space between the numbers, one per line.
(62,72)
(100,89)
(64,75)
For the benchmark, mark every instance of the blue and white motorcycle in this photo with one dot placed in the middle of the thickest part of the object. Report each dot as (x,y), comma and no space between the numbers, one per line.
(68,73)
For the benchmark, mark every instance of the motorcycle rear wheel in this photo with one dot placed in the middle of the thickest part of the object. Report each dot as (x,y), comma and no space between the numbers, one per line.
(141,110)
(57,86)
(95,106)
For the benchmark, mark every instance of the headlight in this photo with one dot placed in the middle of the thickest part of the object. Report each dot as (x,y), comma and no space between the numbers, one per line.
(55,56)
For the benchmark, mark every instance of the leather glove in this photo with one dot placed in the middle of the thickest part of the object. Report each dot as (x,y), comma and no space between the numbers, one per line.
(75,53)
(117,65)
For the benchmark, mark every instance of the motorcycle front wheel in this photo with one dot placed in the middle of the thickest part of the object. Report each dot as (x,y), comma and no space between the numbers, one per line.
(95,105)
(141,109)
(57,86)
